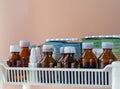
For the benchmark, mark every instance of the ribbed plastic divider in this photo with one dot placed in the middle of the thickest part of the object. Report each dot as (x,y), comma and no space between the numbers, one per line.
(58,76)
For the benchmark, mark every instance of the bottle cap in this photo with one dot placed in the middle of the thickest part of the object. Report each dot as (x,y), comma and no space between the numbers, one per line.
(107,45)
(48,48)
(69,49)
(24,43)
(33,58)
(32,45)
(87,45)
(61,49)
(14,48)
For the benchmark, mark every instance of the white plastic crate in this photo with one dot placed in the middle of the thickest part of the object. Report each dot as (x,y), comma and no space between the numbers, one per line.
(60,76)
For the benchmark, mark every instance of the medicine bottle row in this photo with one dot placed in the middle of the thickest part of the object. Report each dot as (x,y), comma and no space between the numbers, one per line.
(22,56)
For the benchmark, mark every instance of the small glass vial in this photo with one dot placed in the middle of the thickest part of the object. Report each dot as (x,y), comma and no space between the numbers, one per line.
(47,61)
(14,50)
(32,45)
(88,58)
(69,61)
(24,53)
(107,57)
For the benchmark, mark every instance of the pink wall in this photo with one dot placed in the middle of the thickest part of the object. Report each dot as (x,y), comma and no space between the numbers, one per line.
(37,20)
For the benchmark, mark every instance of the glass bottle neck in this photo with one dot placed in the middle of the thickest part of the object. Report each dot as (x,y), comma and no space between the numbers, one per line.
(48,53)
(25,48)
(107,50)
(69,54)
(14,53)
(89,50)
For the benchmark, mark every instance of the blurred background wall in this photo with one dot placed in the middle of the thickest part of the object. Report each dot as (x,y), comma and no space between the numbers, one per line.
(37,20)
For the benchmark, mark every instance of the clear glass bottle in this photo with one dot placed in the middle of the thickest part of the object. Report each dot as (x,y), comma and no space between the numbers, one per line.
(69,61)
(88,58)
(107,57)
(47,60)
(24,53)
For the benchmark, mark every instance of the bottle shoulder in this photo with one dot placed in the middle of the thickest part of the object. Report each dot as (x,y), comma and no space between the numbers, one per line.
(14,56)
(61,58)
(88,55)
(25,52)
(107,55)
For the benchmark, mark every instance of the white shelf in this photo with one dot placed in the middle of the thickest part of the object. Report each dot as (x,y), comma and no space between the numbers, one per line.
(60,76)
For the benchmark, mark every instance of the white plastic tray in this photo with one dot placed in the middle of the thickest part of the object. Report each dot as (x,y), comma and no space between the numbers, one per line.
(58,76)
(107,77)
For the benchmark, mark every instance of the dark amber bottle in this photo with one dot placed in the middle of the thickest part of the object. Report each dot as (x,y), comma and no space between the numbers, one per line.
(14,56)
(88,58)
(107,57)
(24,53)
(69,61)
(60,60)
(47,60)
(12,62)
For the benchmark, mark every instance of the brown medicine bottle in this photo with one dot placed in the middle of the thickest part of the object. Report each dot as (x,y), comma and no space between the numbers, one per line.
(88,58)
(12,62)
(47,61)
(60,60)
(69,61)
(107,57)
(14,56)
(24,53)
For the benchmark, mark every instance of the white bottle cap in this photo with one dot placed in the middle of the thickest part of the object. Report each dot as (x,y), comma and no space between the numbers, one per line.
(24,43)
(48,48)
(32,45)
(14,48)
(69,49)
(87,45)
(107,45)
(61,50)
(33,57)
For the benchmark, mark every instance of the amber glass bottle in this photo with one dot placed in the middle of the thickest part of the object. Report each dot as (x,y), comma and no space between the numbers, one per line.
(47,60)
(24,53)
(14,56)
(12,62)
(59,63)
(107,57)
(88,58)
(69,61)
